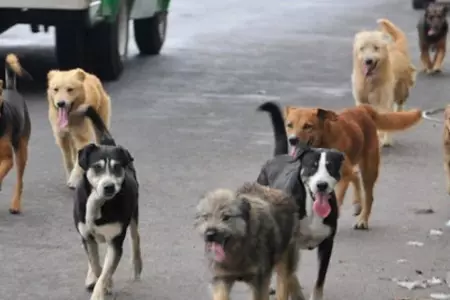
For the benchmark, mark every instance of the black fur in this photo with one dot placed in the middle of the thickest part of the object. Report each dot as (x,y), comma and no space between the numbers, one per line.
(283,172)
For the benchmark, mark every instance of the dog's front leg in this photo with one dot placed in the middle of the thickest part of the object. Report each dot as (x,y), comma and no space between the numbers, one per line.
(386,102)
(447,173)
(112,258)
(6,159)
(94,268)
(425,59)
(261,288)
(221,289)
(136,258)
(323,254)
(440,54)
(64,144)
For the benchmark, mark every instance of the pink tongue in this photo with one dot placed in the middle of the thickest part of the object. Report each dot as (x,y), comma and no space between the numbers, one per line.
(366,70)
(430,32)
(63,119)
(321,205)
(294,149)
(219,253)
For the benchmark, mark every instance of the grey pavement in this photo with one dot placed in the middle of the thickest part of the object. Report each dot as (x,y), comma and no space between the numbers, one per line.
(188,117)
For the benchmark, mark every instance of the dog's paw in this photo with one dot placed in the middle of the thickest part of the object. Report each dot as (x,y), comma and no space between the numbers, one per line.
(90,281)
(137,269)
(14,211)
(356,209)
(109,287)
(361,225)
(436,70)
(73,180)
(98,297)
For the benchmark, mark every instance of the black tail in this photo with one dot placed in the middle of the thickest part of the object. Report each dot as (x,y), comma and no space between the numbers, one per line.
(100,127)
(281,141)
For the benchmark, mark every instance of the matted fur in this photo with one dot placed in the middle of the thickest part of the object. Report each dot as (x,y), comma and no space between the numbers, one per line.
(388,84)
(261,226)
(352,131)
(76,87)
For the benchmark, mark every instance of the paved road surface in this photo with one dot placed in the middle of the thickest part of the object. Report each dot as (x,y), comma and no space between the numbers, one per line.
(189,118)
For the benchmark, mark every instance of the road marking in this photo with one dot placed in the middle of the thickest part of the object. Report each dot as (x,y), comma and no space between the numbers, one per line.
(427,114)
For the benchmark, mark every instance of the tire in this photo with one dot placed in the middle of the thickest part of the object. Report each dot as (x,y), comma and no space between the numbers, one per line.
(71,41)
(150,33)
(109,42)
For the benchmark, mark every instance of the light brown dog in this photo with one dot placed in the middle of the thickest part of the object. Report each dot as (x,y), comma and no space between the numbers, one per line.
(352,131)
(67,90)
(382,70)
(446,142)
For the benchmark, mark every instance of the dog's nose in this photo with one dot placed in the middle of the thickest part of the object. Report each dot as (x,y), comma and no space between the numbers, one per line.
(61,104)
(293,141)
(210,234)
(109,189)
(322,186)
(369,61)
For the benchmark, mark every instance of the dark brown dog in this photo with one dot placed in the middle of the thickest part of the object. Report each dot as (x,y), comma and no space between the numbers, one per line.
(432,29)
(15,129)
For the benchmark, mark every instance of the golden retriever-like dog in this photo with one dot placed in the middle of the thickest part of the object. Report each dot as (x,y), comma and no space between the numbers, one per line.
(382,70)
(67,90)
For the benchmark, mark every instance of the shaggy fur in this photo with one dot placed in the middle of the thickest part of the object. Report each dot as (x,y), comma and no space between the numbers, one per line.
(352,131)
(248,233)
(67,90)
(382,70)
(432,30)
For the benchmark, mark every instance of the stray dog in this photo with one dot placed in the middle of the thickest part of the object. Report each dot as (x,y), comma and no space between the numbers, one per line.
(247,234)
(446,142)
(106,203)
(382,70)
(15,129)
(310,177)
(67,90)
(432,29)
(353,131)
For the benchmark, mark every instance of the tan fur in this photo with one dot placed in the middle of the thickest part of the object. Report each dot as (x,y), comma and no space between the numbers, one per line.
(387,88)
(446,145)
(352,131)
(77,87)
(13,62)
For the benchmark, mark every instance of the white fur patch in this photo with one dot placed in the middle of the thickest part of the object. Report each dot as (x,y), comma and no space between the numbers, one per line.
(102,233)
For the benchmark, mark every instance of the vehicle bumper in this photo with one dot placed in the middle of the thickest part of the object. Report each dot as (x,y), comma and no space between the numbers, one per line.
(46,4)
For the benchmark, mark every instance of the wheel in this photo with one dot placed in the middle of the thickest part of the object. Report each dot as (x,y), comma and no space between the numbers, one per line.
(71,41)
(150,33)
(109,45)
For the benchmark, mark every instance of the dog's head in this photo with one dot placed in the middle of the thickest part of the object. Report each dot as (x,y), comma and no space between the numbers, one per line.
(320,171)
(105,168)
(65,92)
(307,125)
(435,17)
(221,220)
(370,51)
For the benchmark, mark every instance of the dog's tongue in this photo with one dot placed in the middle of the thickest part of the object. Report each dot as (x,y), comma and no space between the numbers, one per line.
(217,250)
(367,70)
(430,32)
(321,205)
(63,118)
(293,151)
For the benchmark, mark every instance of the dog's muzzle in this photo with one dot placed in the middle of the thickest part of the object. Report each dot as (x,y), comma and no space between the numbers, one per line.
(109,190)
(369,66)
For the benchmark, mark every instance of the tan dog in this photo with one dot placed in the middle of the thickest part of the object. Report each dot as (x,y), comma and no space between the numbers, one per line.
(446,142)
(352,131)
(67,90)
(382,70)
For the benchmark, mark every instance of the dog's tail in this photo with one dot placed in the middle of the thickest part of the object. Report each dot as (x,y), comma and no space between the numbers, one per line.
(12,70)
(396,33)
(394,121)
(100,127)
(281,142)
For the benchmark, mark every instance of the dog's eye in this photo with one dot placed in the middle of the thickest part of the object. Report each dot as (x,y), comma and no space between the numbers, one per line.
(69,90)
(307,126)
(97,168)
(226,217)
(116,168)
(361,48)
(376,48)
(56,89)
(289,125)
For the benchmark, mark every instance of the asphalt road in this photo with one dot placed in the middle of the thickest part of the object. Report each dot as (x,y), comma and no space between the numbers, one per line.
(188,117)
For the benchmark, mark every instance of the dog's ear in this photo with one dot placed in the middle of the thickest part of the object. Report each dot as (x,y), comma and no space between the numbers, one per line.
(83,155)
(51,73)
(324,114)
(444,10)
(80,74)
(286,110)
(125,156)
(244,207)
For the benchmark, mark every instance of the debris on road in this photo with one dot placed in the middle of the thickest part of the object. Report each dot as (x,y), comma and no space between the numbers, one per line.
(448,223)
(440,296)
(435,232)
(418,284)
(402,261)
(424,211)
(415,243)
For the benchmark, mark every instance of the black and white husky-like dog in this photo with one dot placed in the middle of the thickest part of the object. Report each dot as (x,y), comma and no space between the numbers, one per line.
(106,204)
(310,175)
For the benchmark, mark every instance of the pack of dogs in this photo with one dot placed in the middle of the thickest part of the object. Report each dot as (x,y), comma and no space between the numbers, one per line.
(261,227)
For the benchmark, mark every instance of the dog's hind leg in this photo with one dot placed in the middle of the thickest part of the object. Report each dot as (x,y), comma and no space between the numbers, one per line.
(113,254)
(440,54)
(6,158)
(94,268)
(21,156)
(369,174)
(425,59)
(260,289)
(323,254)
(136,258)
(287,281)
(221,289)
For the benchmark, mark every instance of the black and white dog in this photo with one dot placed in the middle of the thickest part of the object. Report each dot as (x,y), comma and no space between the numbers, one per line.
(310,175)
(106,203)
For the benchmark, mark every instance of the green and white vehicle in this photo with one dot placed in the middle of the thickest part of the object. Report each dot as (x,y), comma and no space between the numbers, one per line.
(92,34)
